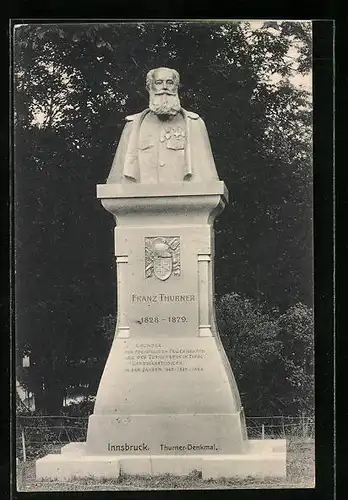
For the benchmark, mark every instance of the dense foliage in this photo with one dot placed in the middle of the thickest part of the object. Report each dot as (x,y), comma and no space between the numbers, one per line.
(73,86)
(271,355)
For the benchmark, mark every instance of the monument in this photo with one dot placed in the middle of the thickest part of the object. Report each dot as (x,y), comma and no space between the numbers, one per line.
(167,401)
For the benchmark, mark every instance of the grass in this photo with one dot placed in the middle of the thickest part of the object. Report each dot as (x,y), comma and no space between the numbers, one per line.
(300,474)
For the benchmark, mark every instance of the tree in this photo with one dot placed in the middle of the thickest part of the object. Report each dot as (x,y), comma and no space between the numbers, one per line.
(73,86)
(270,353)
(249,335)
(296,333)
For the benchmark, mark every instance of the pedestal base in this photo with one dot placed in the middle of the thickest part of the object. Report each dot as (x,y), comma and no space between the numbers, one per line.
(265,458)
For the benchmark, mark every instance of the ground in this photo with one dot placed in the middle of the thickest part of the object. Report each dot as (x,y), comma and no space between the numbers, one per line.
(300,474)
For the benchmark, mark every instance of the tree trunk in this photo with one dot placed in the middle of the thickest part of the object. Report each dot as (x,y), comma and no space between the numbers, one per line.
(54,395)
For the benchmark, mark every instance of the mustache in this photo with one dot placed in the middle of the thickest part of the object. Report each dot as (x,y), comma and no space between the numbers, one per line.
(166,92)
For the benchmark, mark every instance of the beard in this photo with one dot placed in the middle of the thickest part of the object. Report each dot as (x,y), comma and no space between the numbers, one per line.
(163,103)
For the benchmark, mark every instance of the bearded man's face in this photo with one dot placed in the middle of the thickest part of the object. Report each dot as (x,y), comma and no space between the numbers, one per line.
(164,98)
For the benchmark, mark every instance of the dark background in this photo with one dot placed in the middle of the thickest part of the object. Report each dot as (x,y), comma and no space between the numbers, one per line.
(84,79)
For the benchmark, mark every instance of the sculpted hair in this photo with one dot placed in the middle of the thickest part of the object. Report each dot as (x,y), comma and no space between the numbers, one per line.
(150,74)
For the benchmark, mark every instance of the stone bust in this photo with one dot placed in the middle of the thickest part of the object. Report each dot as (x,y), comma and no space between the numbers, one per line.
(164,143)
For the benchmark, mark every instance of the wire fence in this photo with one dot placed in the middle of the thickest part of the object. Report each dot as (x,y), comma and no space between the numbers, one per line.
(37,436)
(278,427)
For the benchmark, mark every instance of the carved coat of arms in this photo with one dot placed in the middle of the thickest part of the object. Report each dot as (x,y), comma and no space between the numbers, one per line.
(162,257)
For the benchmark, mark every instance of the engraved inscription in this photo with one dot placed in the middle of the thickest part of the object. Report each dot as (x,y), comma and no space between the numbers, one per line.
(189,447)
(158,358)
(155,319)
(161,297)
(162,257)
(125,447)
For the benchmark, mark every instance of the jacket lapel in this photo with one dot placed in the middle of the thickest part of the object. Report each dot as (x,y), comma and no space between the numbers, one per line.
(188,157)
(131,163)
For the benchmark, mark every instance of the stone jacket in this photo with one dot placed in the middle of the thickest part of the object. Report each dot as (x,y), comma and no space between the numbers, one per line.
(199,165)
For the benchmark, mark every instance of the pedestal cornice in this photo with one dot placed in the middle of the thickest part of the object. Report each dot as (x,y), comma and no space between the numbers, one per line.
(132,203)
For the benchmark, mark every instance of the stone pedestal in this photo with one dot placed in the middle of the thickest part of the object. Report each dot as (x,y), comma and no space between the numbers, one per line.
(167,400)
